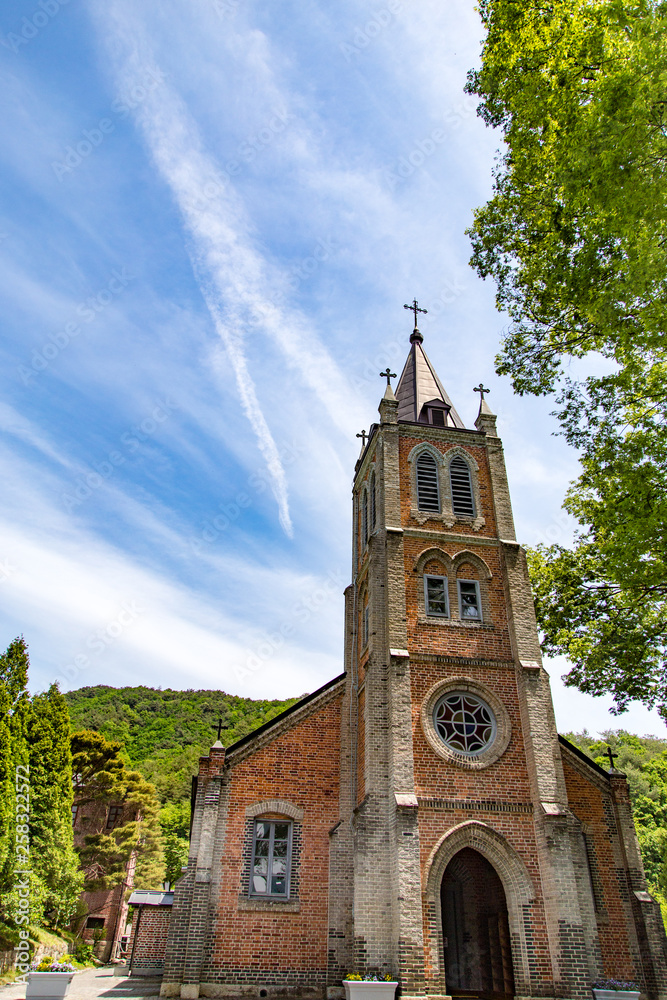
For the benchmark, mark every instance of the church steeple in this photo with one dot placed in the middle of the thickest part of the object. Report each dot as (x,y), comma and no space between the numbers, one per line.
(420,393)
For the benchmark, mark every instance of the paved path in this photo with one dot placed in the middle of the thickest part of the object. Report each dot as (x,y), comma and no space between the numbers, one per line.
(94,983)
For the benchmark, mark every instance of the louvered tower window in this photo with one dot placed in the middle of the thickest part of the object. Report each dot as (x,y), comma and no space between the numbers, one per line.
(428,495)
(459,474)
(373,507)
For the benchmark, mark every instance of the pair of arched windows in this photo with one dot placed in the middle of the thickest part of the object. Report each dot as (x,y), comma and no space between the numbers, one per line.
(428,485)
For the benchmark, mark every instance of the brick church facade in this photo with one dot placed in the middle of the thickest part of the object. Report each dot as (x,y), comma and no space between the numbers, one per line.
(418,815)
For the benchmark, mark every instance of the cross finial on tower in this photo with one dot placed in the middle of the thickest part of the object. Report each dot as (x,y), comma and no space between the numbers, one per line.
(481,390)
(388,374)
(610,753)
(415,309)
(218,725)
(363,437)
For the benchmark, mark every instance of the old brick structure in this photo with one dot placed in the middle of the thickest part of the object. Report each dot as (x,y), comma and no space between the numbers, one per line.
(418,815)
(151,911)
(105,923)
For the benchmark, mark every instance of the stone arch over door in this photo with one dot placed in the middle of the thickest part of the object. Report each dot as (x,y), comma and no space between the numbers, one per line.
(519,894)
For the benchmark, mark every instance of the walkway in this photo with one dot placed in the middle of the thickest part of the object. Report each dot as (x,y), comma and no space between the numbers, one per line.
(94,983)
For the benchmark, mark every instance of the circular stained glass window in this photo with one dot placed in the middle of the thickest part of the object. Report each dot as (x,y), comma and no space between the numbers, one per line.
(464,723)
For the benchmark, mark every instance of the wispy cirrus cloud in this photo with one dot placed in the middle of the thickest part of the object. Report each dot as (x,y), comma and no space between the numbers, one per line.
(245,293)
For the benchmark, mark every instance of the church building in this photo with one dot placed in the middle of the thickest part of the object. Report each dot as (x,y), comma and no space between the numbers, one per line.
(418,816)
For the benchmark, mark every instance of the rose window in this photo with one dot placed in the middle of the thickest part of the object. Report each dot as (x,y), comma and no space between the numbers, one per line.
(464,723)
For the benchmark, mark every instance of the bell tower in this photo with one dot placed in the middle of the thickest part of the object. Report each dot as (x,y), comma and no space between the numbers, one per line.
(452,759)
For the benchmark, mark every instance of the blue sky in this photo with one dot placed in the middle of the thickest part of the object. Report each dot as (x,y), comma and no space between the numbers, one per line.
(212,213)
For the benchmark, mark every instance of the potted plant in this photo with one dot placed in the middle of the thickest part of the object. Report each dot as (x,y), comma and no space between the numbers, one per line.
(369,987)
(615,989)
(49,979)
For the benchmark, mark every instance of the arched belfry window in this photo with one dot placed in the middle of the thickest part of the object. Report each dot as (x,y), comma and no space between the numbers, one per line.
(428,494)
(373,502)
(462,499)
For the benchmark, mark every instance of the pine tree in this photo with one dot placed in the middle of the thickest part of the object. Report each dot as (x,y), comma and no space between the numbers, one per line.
(53,858)
(14,708)
(130,852)
(175,823)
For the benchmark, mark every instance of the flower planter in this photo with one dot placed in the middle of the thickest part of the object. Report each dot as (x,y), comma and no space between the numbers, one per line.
(356,989)
(616,994)
(48,985)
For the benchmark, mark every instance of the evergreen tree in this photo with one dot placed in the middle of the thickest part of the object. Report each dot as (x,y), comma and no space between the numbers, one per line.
(134,847)
(14,708)
(175,823)
(53,858)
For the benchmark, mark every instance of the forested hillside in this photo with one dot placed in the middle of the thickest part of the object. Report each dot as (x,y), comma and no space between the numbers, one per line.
(163,733)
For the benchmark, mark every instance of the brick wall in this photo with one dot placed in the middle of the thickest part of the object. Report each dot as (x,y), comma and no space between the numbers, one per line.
(148,941)
(262,942)
(591,802)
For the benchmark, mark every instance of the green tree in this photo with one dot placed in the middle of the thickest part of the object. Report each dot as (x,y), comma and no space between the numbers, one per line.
(53,858)
(575,237)
(14,708)
(135,846)
(175,824)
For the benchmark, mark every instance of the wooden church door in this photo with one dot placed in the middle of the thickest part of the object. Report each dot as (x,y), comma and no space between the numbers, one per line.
(478,957)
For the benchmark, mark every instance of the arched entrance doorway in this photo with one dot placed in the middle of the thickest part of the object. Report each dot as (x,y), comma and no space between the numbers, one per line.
(478,957)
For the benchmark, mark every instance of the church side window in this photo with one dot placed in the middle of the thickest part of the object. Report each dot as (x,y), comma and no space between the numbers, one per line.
(373,502)
(470,605)
(459,475)
(435,595)
(271,859)
(428,494)
(364,518)
(365,624)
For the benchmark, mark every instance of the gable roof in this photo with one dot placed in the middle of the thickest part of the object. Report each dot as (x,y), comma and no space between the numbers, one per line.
(583,757)
(279,720)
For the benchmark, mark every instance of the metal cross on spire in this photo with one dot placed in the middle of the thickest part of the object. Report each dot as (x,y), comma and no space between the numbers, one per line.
(363,437)
(388,374)
(218,725)
(481,390)
(610,753)
(415,309)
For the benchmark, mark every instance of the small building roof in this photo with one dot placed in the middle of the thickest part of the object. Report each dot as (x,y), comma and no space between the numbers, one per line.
(151,897)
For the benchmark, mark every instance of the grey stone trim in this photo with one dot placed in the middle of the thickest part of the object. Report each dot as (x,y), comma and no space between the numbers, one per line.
(449,536)
(481,805)
(503,725)
(269,905)
(275,806)
(461,661)
(431,432)
(465,555)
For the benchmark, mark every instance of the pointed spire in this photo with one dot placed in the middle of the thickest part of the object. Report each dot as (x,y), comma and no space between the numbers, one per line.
(419,383)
